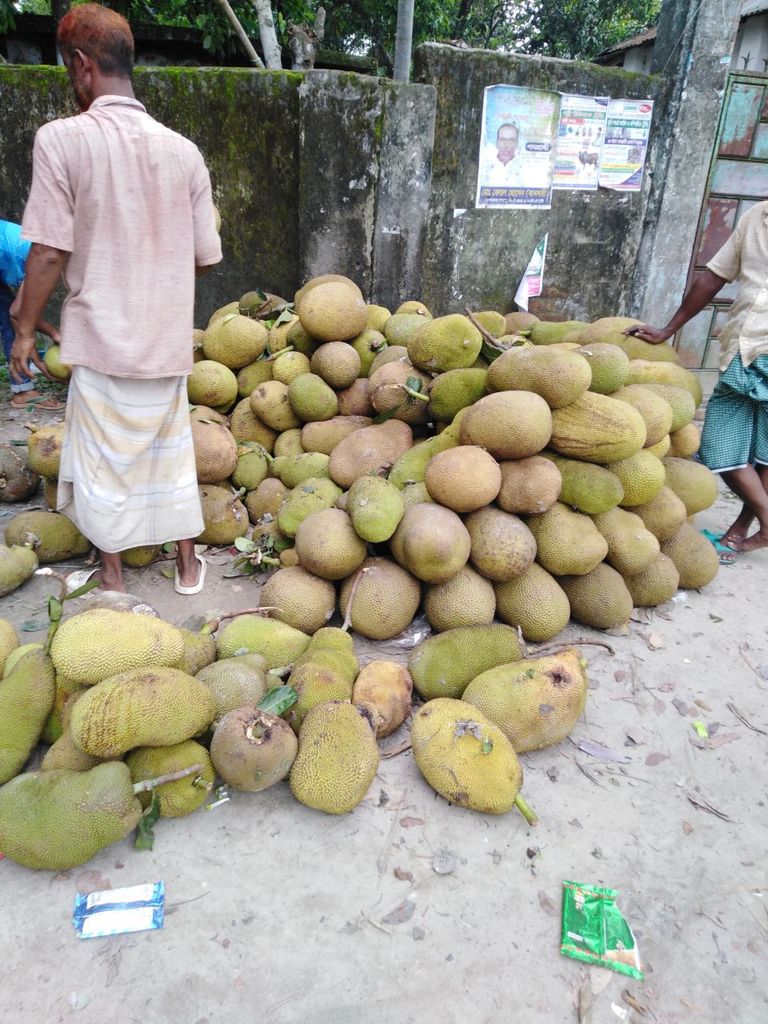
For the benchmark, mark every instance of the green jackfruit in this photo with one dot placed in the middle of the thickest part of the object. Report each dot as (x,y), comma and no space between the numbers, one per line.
(100,643)
(663,515)
(233,684)
(337,760)
(568,543)
(679,399)
(9,641)
(175,799)
(465,757)
(631,548)
(386,598)
(279,643)
(656,584)
(599,598)
(447,343)
(54,537)
(311,398)
(311,495)
(537,702)
(558,375)
(443,665)
(375,507)
(17,565)
(323,673)
(288,443)
(692,482)
(304,601)
(56,820)
(294,470)
(465,600)
(610,367)
(586,487)
(455,390)
(641,477)
(144,707)
(648,371)
(26,699)
(328,546)
(547,332)
(535,603)
(199,651)
(597,428)
(695,558)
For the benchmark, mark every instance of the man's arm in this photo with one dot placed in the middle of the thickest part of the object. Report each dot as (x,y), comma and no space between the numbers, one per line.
(202,271)
(43,270)
(700,294)
(43,326)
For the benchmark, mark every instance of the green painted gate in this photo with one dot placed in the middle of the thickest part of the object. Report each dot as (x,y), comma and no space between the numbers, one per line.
(738,178)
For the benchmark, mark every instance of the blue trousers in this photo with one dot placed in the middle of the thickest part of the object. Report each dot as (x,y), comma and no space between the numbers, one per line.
(7,332)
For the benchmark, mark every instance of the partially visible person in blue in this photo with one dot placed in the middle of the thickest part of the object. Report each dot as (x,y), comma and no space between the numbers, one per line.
(13,257)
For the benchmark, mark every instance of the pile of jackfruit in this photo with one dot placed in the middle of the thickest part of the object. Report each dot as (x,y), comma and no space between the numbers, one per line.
(128,704)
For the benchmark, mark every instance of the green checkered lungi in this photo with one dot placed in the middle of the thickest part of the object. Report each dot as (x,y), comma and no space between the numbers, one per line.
(736,426)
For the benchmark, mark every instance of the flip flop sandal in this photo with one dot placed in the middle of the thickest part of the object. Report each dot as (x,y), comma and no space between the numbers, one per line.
(47,404)
(200,582)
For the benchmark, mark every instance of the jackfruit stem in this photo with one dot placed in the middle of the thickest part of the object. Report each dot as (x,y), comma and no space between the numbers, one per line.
(486,334)
(348,613)
(276,355)
(527,812)
(414,394)
(147,785)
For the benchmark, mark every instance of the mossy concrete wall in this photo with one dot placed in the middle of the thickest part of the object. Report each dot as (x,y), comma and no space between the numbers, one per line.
(307,170)
(477,257)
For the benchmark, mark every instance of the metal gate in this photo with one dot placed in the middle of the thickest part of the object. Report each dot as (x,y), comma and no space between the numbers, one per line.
(738,178)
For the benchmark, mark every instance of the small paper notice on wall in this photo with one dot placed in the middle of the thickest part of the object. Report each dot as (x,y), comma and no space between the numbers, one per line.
(533,278)
(580,138)
(627,128)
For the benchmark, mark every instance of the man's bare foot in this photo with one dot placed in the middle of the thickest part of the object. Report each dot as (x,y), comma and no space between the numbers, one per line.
(755,542)
(48,403)
(109,581)
(189,569)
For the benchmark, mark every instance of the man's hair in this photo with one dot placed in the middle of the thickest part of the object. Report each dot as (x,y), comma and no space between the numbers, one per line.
(508,124)
(101,34)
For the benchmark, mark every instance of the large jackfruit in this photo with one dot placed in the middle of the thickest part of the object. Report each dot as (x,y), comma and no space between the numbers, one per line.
(182,796)
(597,428)
(559,376)
(337,759)
(586,487)
(533,602)
(465,757)
(695,558)
(693,483)
(325,672)
(26,699)
(444,665)
(599,598)
(631,547)
(536,702)
(148,707)
(56,820)
(568,543)
(54,537)
(280,643)
(100,643)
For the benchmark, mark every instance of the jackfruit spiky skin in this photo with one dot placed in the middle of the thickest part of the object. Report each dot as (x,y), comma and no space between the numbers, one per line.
(537,702)
(447,343)
(199,651)
(656,584)
(309,496)
(337,759)
(324,435)
(692,482)
(321,674)
(463,478)
(328,546)
(535,602)
(695,558)
(387,687)
(54,537)
(502,545)
(149,707)
(280,643)
(656,412)
(302,600)
(465,600)
(9,641)
(312,399)
(385,600)
(182,796)
(64,755)
(234,340)
(546,332)
(56,820)
(508,424)
(568,543)
(100,643)
(559,376)
(465,757)
(597,428)
(599,598)
(252,749)
(631,547)
(444,665)
(455,390)
(431,542)
(663,515)
(44,448)
(609,364)
(586,487)
(680,400)
(332,311)
(375,507)
(233,684)
(529,486)
(685,442)
(26,699)
(646,371)
(641,477)
(372,449)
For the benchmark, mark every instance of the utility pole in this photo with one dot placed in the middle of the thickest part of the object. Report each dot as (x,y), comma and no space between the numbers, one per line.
(403,40)
(58,9)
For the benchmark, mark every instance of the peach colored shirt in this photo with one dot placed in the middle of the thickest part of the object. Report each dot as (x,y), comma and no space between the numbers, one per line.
(130,201)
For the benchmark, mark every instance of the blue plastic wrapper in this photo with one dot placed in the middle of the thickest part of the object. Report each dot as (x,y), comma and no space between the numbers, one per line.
(136,908)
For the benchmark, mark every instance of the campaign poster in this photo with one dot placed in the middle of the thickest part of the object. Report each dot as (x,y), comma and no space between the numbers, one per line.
(580,138)
(627,128)
(517,148)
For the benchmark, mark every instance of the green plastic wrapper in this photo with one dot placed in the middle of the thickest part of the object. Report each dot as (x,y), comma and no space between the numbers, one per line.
(594,930)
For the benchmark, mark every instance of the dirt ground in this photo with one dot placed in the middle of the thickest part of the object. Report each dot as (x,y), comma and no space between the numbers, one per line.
(279,914)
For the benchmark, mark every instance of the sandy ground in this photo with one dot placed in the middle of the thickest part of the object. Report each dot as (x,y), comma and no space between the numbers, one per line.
(280,914)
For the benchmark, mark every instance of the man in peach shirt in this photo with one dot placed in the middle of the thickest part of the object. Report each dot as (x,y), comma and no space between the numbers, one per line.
(122,207)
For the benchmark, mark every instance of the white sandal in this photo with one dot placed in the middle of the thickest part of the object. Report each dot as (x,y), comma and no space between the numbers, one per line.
(200,581)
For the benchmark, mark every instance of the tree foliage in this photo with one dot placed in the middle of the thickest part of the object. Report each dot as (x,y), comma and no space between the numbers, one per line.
(577,29)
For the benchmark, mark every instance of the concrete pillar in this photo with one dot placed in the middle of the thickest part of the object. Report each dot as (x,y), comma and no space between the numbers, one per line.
(692,52)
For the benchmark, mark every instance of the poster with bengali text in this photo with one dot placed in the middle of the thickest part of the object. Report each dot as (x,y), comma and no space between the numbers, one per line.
(580,137)
(517,148)
(627,128)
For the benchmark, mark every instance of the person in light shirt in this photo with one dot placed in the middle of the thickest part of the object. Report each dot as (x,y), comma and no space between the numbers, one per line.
(734,441)
(121,206)
(501,164)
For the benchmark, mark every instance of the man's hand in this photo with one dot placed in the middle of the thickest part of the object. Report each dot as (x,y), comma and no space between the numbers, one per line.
(653,335)
(22,352)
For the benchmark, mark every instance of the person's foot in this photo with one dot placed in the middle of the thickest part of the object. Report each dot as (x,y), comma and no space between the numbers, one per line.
(48,403)
(110,580)
(755,542)
(738,532)
(188,570)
